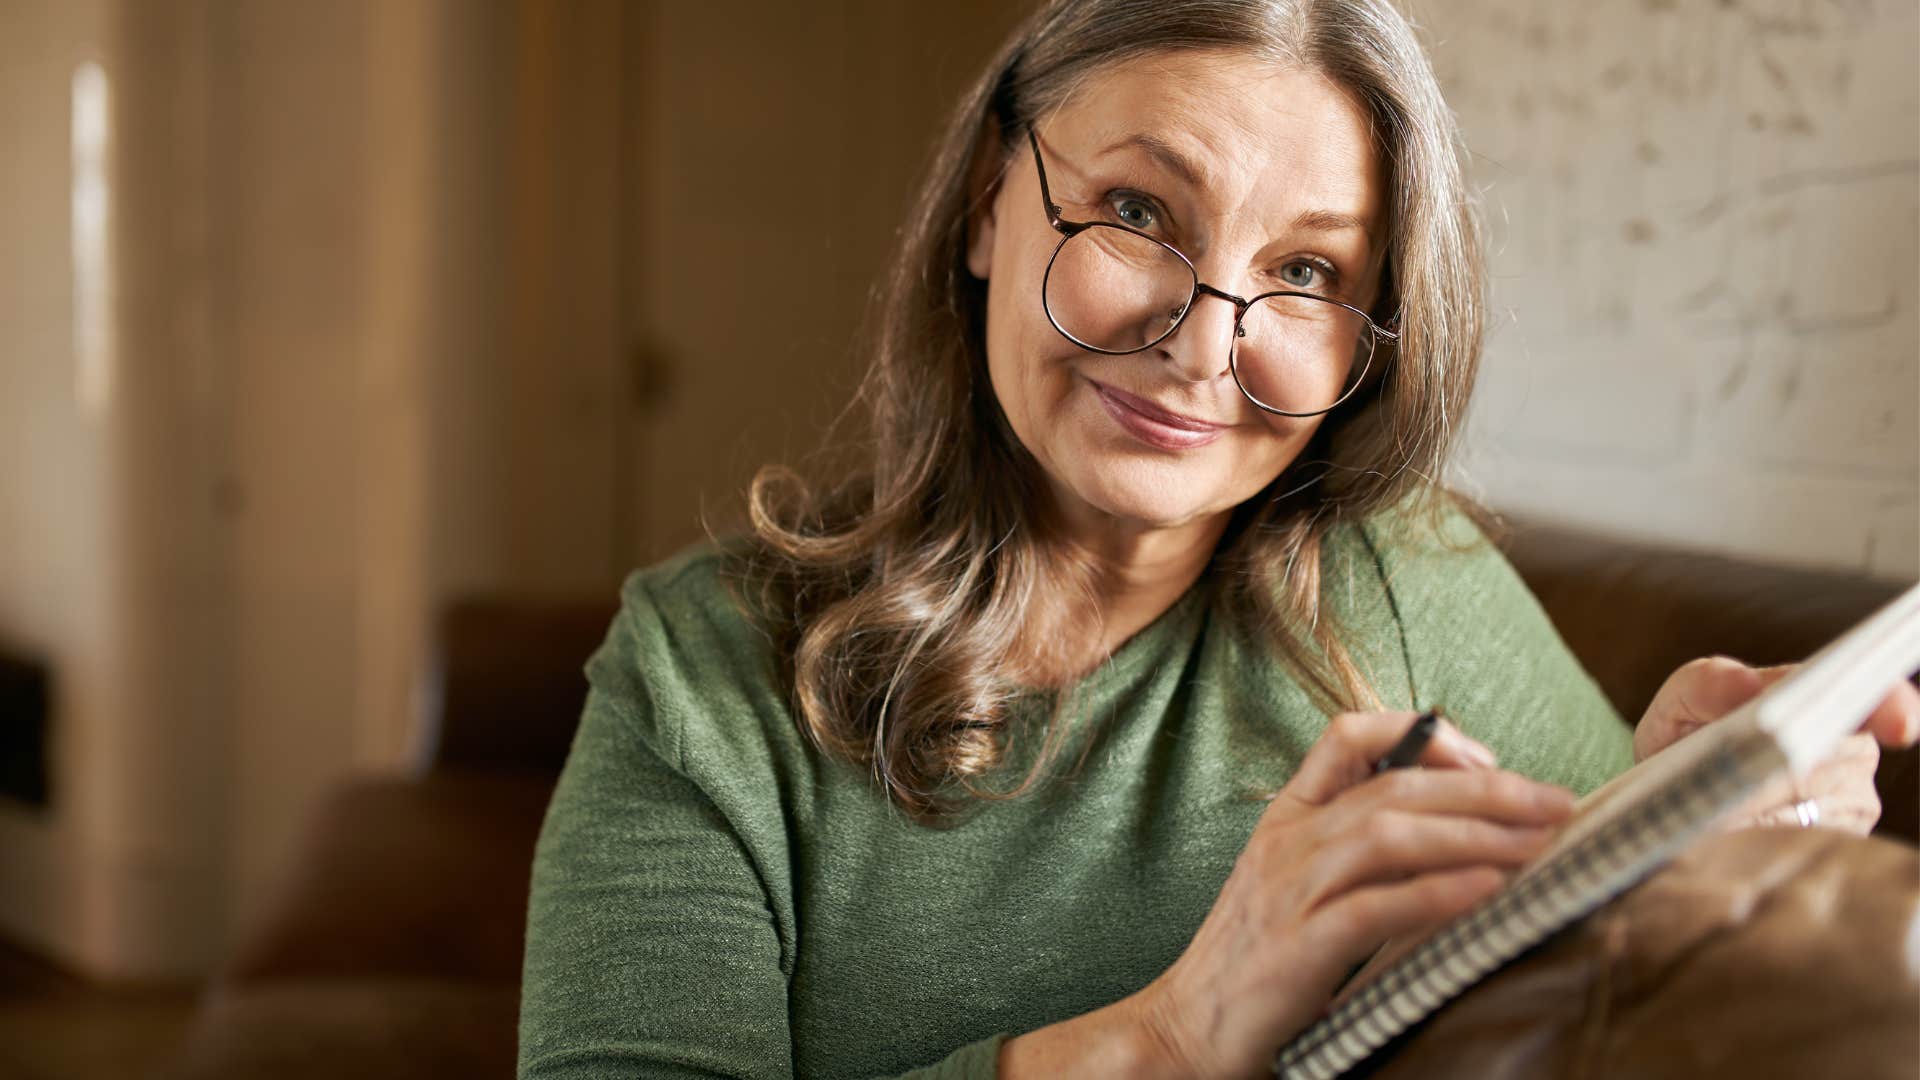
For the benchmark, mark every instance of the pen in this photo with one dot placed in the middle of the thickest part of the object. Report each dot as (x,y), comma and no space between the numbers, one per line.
(1413,743)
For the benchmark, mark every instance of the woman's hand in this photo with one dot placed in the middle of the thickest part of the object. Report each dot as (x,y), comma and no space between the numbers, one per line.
(1341,861)
(1705,690)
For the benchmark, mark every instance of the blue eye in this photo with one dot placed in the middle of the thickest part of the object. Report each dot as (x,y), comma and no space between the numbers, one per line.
(1134,213)
(1306,274)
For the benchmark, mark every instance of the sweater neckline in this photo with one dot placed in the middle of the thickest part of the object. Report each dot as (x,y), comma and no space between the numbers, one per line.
(1134,653)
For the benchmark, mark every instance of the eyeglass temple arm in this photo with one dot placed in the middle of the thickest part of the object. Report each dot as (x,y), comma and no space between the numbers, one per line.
(1046,195)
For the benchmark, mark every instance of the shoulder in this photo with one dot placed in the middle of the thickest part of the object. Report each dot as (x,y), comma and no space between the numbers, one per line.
(688,599)
(1431,549)
(1429,540)
(684,653)
(1477,640)
(1428,567)
(1432,523)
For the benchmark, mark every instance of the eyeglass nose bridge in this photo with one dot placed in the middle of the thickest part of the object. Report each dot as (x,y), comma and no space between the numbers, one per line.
(1201,288)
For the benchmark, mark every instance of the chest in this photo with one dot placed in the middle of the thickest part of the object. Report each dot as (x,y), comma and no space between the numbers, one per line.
(910,941)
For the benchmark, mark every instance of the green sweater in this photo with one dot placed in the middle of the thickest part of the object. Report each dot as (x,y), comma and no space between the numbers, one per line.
(713,897)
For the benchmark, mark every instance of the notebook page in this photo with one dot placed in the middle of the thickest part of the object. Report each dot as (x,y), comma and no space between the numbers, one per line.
(1606,803)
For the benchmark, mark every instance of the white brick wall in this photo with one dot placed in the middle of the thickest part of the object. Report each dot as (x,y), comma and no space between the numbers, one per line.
(1705,223)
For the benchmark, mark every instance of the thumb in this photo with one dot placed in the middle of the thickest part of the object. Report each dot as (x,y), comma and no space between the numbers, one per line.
(1698,693)
(1708,689)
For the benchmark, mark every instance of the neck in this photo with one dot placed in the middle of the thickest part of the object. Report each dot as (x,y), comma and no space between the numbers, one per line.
(1120,576)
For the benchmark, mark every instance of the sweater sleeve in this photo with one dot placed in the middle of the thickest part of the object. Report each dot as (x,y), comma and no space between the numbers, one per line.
(651,948)
(1479,644)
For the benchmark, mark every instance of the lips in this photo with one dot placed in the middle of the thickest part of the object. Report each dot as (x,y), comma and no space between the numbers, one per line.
(1152,425)
(1156,413)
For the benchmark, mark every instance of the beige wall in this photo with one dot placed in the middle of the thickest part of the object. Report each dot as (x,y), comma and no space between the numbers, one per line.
(54,603)
(105,565)
(231,556)
(1706,234)
(771,179)
(379,276)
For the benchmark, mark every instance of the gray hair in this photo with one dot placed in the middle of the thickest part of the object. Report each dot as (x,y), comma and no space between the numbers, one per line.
(897,593)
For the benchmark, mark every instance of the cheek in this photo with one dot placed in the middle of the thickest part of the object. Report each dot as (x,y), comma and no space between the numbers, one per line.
(1028,362)
(1008,349)
(1291,432)
(1274,443)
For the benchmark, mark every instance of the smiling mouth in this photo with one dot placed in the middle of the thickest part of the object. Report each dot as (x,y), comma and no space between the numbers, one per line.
(1155,413)
(1152,425)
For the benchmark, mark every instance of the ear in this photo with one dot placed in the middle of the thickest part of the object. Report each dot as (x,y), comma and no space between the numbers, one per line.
(983,190)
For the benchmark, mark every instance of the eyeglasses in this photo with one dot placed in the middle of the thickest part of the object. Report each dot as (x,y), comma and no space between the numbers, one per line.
(1115,290)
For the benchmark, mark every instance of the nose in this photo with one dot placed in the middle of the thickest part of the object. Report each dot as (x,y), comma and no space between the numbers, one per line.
(1199,346)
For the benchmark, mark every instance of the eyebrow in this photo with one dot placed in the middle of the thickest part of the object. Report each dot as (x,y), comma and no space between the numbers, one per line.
(1165,153)
(1186,169)
(1330,221)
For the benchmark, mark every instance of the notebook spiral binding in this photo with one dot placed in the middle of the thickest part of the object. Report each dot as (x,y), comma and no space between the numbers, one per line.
(1615,858)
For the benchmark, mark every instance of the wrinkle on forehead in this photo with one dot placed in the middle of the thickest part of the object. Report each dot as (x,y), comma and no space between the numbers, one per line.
(1215,107)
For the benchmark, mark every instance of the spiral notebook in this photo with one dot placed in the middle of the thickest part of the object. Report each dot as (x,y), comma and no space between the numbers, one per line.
(1624,831)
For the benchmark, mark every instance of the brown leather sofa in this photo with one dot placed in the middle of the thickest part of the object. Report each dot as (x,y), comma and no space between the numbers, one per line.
(394,947)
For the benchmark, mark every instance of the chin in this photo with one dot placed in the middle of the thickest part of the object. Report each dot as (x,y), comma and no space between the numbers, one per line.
(1154,498)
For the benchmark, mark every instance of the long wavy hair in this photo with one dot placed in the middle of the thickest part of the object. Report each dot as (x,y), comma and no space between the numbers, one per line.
(898,593)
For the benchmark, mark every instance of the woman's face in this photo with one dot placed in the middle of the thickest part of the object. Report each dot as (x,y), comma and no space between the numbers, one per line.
(1277,188)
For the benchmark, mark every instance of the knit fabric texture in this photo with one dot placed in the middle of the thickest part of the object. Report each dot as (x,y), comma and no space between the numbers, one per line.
(711,896)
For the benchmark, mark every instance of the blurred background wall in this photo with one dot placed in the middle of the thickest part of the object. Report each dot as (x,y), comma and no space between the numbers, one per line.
(376,305)
(316,316)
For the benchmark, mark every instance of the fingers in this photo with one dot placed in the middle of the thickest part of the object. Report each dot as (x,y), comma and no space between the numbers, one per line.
(1488,793)
(1714,686)
(1711,687)
(1707,689)
(1854,811)
(1896,721)
(1841,787)
(1695,695)
(1359,920)
(1353,742)
(1394,844)
(1857,756)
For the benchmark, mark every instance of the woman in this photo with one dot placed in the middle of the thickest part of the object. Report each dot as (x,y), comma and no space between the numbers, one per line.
(977,774)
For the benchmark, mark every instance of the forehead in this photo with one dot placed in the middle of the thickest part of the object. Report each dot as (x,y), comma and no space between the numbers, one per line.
(1246,136)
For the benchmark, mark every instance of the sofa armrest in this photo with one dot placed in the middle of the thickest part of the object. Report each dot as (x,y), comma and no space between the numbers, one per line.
(403,876)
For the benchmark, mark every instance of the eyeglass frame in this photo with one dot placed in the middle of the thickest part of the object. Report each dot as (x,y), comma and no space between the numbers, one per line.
(1070,229)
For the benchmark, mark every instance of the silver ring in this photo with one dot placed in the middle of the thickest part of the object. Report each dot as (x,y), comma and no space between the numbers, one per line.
(1808,811)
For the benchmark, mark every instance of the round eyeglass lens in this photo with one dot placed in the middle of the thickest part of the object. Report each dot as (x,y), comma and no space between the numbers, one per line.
(1116,291)
(1112,290)
(1301,354)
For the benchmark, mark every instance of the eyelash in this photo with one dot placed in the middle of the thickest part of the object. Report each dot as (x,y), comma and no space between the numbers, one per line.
(1326,269)
(1120,195)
